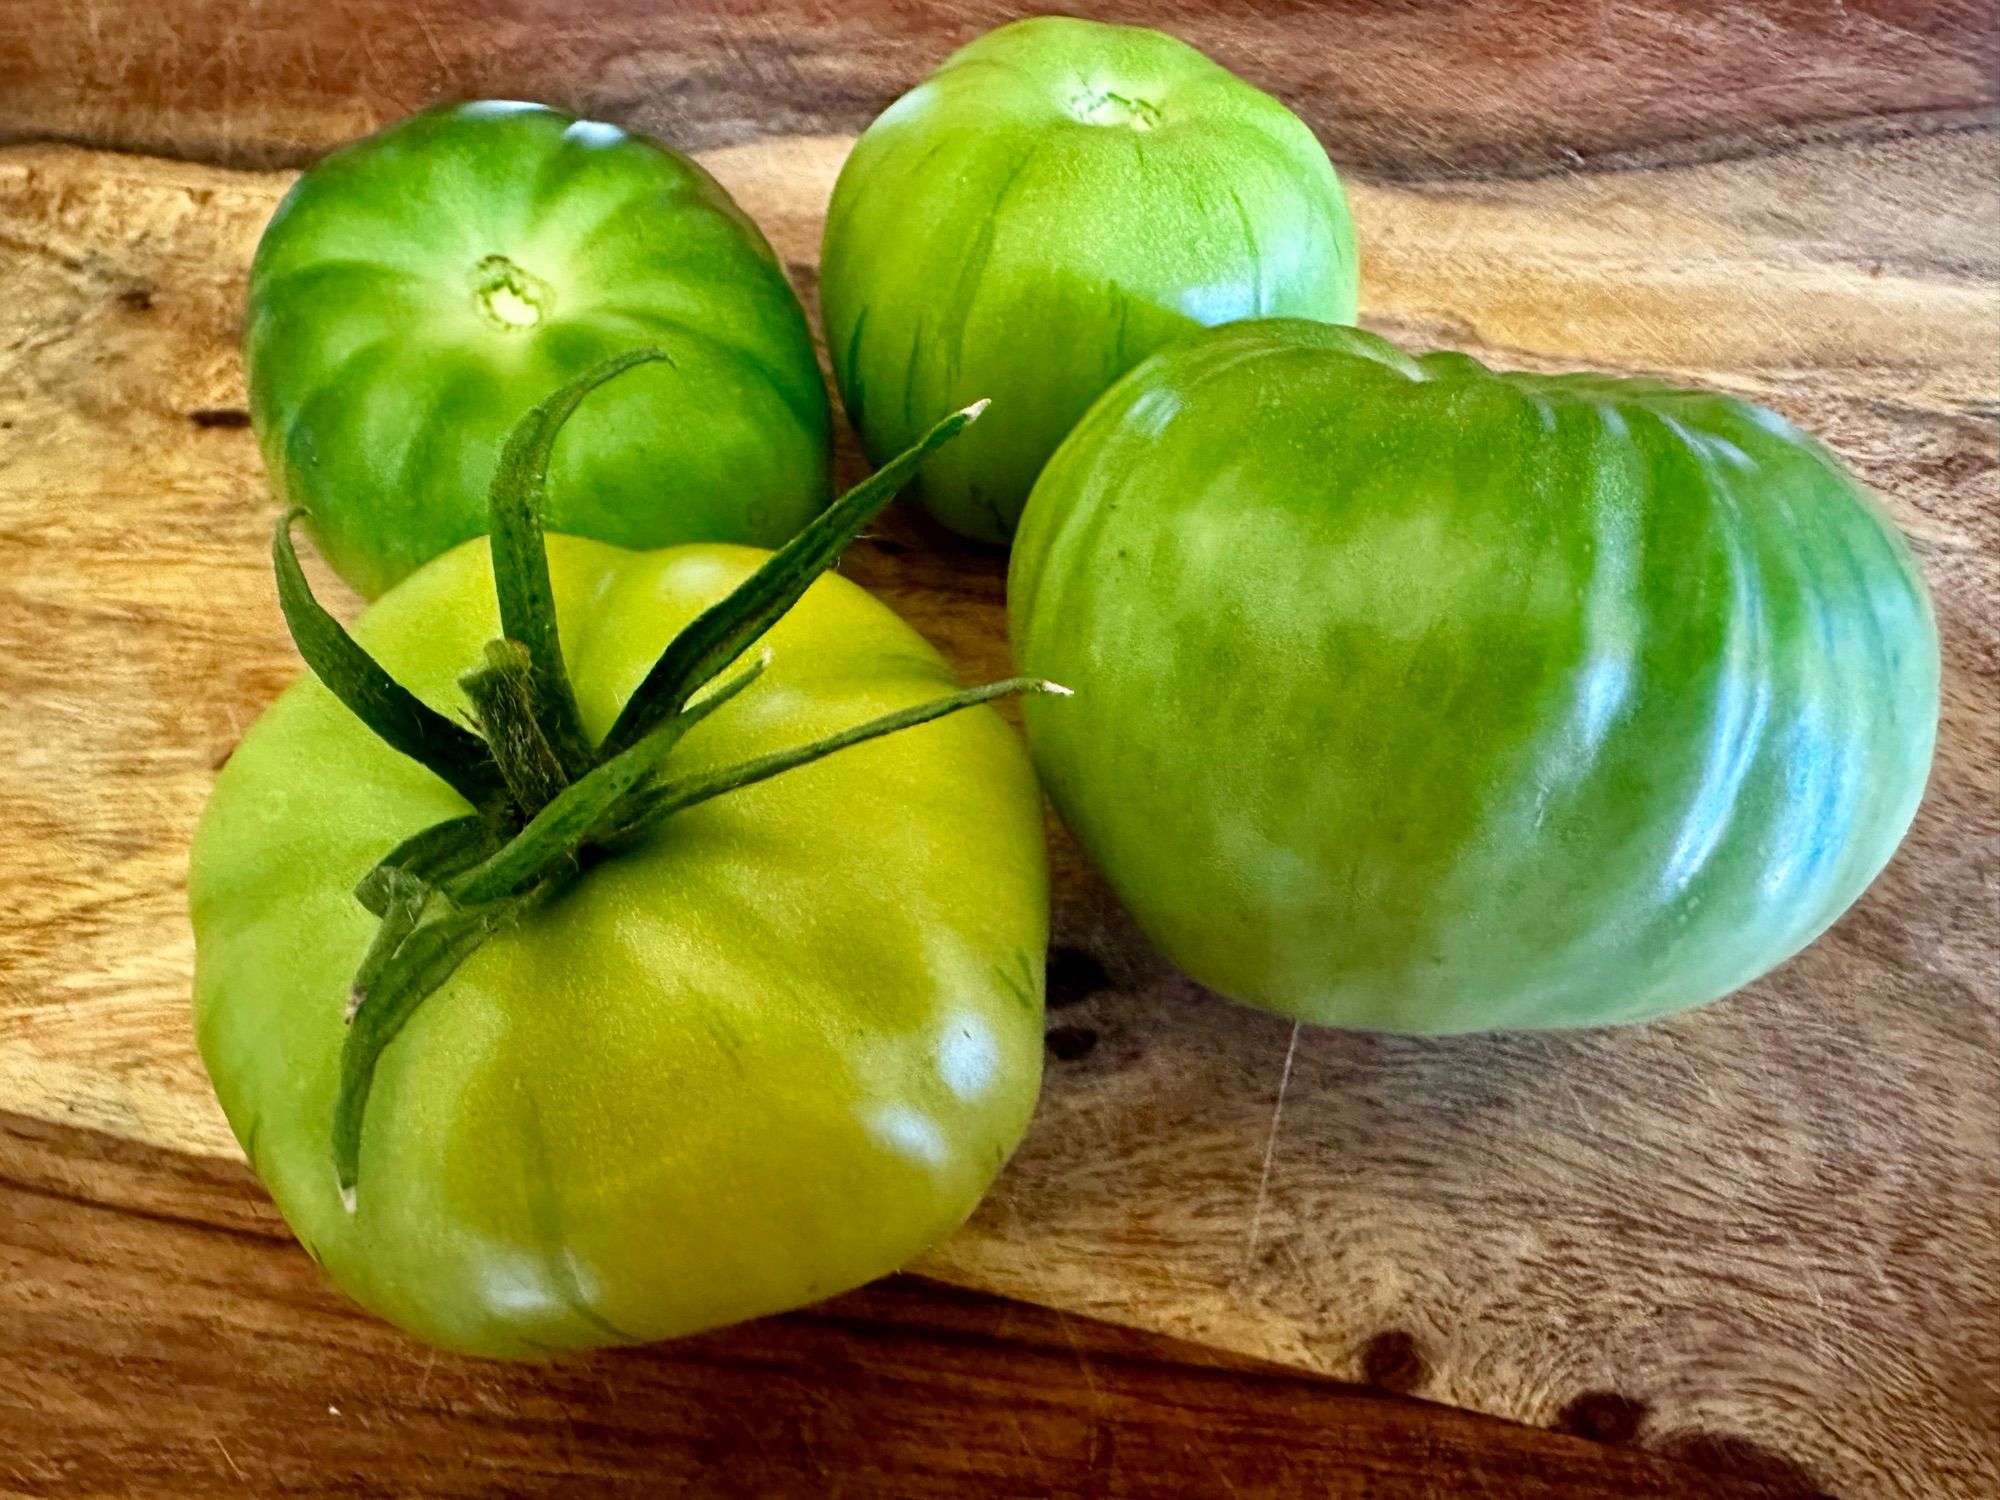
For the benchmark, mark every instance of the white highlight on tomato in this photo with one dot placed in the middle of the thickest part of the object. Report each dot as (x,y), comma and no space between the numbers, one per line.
(487,109)
(593,133)
(968,1058)
(908,1132)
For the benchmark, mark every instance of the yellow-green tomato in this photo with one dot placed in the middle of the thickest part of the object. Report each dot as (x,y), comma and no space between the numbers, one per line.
(774,1052)
(1416,695)
(1056,202)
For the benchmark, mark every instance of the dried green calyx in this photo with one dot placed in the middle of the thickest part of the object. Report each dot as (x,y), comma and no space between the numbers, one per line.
(546,801)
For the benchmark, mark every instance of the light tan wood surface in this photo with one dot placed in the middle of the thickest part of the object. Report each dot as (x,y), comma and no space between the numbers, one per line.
(1773,1224)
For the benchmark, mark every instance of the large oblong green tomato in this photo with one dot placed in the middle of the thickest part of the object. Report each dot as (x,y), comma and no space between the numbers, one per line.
(1416,696)
(419,289)
(772,1052)
(1056,202)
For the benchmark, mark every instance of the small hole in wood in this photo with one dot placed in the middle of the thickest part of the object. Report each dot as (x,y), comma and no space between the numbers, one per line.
(1073,976)
(1393,1362)
(1603,1417)
(1068,1043)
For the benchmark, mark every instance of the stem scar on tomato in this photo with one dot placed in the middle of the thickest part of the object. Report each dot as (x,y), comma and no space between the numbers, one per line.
(546,802)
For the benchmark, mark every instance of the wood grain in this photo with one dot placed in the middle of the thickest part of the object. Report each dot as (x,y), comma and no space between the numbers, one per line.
(1765,1236)
(1403,89)
(239,1370)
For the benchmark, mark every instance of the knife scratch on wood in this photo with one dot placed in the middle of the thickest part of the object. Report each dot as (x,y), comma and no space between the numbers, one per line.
(1271,1147)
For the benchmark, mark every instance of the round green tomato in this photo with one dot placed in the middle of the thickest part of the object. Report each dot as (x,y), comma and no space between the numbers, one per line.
(1412,695)
(1055,203)
(418,290)
(774,1052)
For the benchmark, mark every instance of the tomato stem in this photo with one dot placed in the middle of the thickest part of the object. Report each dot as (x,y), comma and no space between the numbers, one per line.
(546,801)
(521,561)
(503,701)
(560,830)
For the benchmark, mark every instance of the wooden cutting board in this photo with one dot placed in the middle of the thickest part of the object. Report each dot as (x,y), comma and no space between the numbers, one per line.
(1771,1228)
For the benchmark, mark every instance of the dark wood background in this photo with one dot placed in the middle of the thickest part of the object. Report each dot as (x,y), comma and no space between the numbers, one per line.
(1398,89)
(1752,1252)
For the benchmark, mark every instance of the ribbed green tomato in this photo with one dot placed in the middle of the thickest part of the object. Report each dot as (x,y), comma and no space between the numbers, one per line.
(773,1052)
(1416,696)
(418,290)
(1056,202)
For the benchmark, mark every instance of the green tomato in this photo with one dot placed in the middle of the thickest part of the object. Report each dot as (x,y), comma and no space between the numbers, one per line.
(417,290)
(1055,203)
(1416,696)
(775,1051)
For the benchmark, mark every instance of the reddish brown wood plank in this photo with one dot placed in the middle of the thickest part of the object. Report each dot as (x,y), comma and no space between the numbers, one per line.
(1400,89)
(165,1337)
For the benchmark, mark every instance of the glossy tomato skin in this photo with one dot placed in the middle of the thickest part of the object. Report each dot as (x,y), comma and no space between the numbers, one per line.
(1418,697)
(774,1053)
(1056,202)
(417,290)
